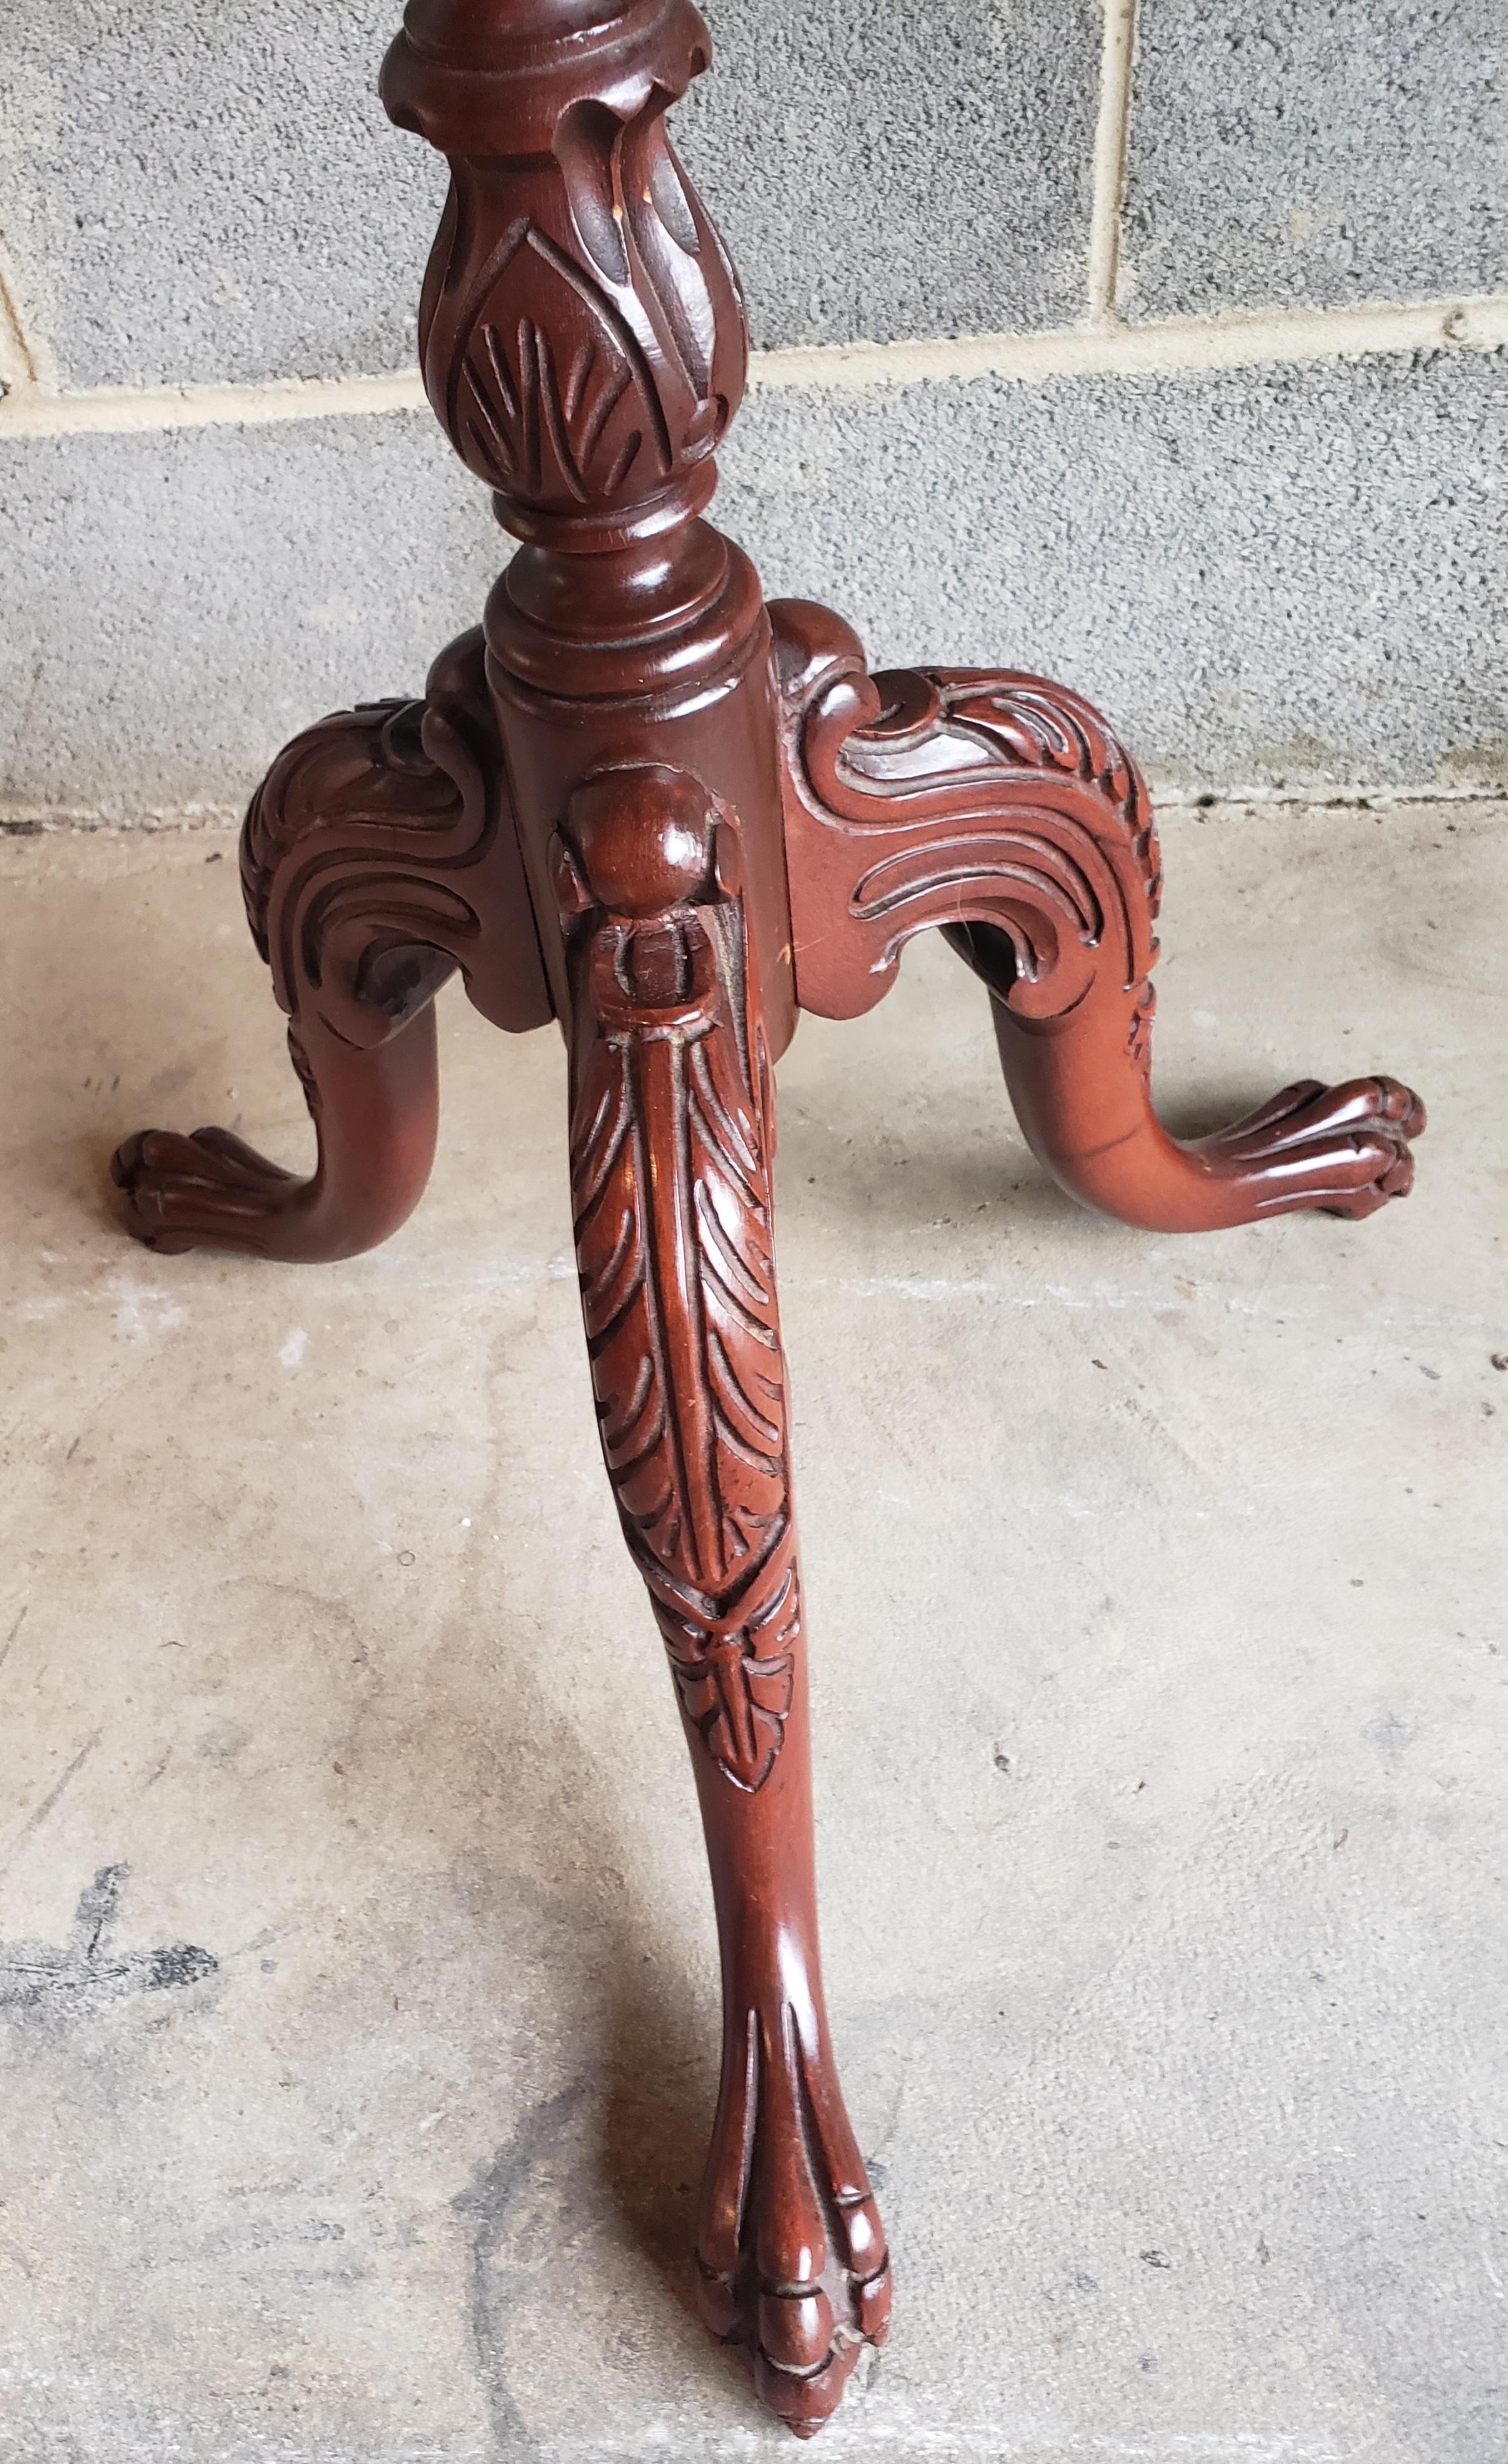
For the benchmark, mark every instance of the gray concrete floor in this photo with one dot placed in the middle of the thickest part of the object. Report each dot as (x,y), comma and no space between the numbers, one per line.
(357,1966)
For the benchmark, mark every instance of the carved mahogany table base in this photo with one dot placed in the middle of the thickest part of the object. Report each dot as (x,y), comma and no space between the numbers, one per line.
(642,802)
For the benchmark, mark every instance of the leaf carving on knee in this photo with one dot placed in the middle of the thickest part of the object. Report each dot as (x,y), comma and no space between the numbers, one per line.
(670,1186)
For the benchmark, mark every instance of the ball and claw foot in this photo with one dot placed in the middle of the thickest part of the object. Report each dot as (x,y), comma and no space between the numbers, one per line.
(791,2262)
(802,2356)
(375,1112)
(1340,1150)
(208,1191)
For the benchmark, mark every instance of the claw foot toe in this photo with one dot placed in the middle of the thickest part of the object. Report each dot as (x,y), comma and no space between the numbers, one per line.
(792,2260)
(1342,1150)
(208,1191)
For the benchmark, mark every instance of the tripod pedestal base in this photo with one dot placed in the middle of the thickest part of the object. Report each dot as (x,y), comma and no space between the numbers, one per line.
(908,800)
(640,803)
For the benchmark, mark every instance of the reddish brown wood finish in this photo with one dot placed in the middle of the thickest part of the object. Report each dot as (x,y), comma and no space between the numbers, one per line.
(632,804)
(670,1140)
(1001,808)
(378,856)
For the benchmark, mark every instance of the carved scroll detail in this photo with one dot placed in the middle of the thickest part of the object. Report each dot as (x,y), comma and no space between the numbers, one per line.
(361,860)
(362,770)
(670,1183)
(993,804)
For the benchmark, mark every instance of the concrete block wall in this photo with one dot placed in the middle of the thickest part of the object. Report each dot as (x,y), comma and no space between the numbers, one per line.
(1162,346)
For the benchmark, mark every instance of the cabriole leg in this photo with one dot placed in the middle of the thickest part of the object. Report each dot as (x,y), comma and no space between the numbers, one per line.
(375,1114)
(360,868)
(1001,808)
(1081,1091)
(670,1183)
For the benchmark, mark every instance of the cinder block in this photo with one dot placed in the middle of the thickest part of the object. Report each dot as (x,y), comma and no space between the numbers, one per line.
(1314,151)
(189,195)
(880,171)
(1288,576)
(182,600)
(1282,576)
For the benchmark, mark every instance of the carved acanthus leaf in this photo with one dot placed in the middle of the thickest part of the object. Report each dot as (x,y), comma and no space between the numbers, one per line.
(580,332)
(672,1192)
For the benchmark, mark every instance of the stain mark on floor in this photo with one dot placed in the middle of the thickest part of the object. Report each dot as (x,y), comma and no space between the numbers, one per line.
(498,2210)
(48,1980)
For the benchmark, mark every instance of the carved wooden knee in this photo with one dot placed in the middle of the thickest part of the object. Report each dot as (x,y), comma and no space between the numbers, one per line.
(1002,808)
(377,856)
